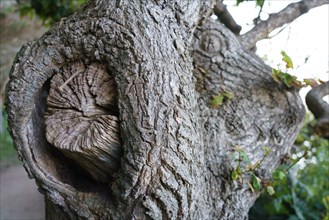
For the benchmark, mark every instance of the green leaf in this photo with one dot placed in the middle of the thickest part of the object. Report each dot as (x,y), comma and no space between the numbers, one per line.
(276,74)
(256,182)
(270,190)
(279,174)
(267,150)
(218,100)
(311,82)
(282,175)
(277,204)
(260,3)
(228,95)
(244,157)
(235,175)
(325,201)
(287,60)
(238,2)
(25,10)
(300,139)
(288,79)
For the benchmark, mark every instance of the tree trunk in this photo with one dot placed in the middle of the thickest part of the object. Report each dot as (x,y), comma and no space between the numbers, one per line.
(110,113)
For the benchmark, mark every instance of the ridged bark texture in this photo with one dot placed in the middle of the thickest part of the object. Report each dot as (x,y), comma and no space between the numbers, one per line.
(261,114)
(172,159)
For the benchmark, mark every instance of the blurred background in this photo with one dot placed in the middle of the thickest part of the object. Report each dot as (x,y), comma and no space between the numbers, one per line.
(302,193)
(20,22)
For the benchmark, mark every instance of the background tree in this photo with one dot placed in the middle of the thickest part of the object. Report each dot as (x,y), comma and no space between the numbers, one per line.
(133,110)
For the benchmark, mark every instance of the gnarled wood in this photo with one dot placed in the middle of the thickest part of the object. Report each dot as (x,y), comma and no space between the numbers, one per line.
(147,52)
(129,64)
(82,118)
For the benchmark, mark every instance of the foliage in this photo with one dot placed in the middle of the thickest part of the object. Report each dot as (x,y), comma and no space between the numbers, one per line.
(287,60)
(221,97)
(303,191)
(6,144)
(290,81)
(244,166)
(49,11)
(5,11)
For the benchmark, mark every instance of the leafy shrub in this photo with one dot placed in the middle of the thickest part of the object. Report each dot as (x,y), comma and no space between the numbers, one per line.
(49,11)
(304,192)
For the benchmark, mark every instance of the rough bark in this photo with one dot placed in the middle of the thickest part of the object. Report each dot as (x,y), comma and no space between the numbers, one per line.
(262,113)
(114,82)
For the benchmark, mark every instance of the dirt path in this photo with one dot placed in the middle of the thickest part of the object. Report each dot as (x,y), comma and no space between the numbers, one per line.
(19,197)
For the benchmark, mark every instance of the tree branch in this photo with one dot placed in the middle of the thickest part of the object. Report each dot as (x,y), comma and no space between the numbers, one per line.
(287,15)
(221,64)
(226,18)
(319,108)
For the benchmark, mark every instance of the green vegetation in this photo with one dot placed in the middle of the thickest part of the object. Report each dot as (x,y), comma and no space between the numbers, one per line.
(301,185)
(49,11)
(221,97)
(7,150)
(5,11)
(291,81)
(246,170)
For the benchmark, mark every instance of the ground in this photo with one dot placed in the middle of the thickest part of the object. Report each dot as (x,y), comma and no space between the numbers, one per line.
(19,198)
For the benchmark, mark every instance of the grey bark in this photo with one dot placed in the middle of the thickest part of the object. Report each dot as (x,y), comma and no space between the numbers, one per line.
(319,108)
(260,114)
(226,18)
(174,148)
